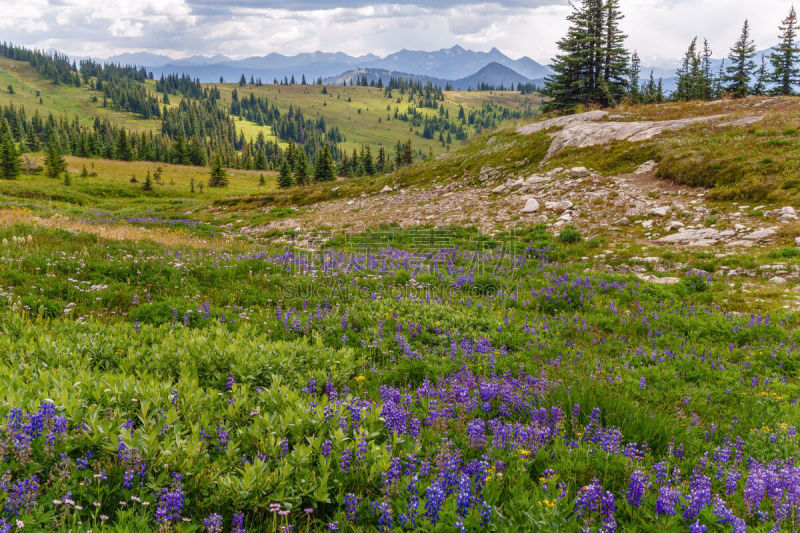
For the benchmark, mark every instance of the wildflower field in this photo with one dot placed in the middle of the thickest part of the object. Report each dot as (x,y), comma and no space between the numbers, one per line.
(400,381)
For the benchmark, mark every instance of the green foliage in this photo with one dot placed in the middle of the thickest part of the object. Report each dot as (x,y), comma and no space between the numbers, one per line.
(10,166)
(569,235)
(219,178)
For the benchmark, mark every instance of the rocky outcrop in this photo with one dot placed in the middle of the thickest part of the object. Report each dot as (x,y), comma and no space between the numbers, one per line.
(590,129)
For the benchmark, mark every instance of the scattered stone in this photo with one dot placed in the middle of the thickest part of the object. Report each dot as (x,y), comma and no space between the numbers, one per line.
(797,241)
(531,206)
(693,237)
(788,210)
(496,190)
(579,172)
(777,279)
(761,234)
(386,189)
(644,168)
(559,207)
(672,226)
(659,211)
(656,279)
(335,189)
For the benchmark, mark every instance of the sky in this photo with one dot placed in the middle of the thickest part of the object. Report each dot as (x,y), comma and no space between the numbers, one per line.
(657,29)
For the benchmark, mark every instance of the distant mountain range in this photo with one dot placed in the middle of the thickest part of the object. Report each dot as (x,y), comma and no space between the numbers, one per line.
(451,64)
(458,66)
(493,74)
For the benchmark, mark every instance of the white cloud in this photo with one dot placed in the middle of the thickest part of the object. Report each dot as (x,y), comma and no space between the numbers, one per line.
(660,28)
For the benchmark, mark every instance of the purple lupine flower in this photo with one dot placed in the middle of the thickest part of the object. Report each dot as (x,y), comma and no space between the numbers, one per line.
(171,501)
(476,431)
(238,523)
(325,449)
(345,459)
(351,505)
(697,527)
(333,526)
(639,482)
(699,495)
(464,496)
(213,523)
(434,498)
(667,499)
(642,383)
(230,382)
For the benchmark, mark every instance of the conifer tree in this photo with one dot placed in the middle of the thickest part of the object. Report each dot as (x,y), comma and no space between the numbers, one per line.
(191,186)
(54,163)
(32,141)
(380,164)
(301,173)
(285,176)
(367,162)
(325,168)
(614,55)
(67,179)
(742,67)
(219,178)
(762,78)
(148,182)
(785,57)
(10,166)
(633,78)
(123,146)
(688,74)
(261,181)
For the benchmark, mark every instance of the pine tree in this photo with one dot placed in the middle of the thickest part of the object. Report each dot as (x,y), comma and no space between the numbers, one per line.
(124,151)
(10,166)
(740,71)
(54,163)
(380,164)
(634,73)
(242,81)
(301,173)
(784,59)
(325,168)
(762,78)
(408,154)
(367,162)
(261,181)
(614,55)
(219,178)
(148,182)
(688,74)
(67,179)
(32,141)
(191,186)
(285,176)
(84,172)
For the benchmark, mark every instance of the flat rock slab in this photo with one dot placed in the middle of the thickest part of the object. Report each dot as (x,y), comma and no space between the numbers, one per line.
(589,129)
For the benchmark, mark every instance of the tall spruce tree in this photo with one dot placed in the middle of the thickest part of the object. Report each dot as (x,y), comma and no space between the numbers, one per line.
(285,175)
(54,163)
(218,178)
(742,67)
(785,57)
(592,65)
(762,78)
(325,168)
(10,166)
(634,73)
(688,74)
(302,171)
(614,55)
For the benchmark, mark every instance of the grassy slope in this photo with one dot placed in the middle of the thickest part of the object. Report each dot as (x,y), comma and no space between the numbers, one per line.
(363,127)
(59,99)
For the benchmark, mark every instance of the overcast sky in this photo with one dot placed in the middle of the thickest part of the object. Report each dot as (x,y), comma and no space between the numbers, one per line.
(241,28)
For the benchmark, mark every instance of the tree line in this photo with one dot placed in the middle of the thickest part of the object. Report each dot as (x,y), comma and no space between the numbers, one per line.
(593,67)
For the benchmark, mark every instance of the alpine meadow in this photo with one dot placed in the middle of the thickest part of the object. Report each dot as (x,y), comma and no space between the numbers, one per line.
(247,286)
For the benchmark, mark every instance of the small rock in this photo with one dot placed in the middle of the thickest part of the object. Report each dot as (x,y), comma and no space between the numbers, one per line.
(385,189)
(578,172)
(644,168)
(672,226)
(559,207)
(335,189)
(788,210)
(778,280)
(498,189)
(531,206)
(797,241)
(761,234)
(659,211)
